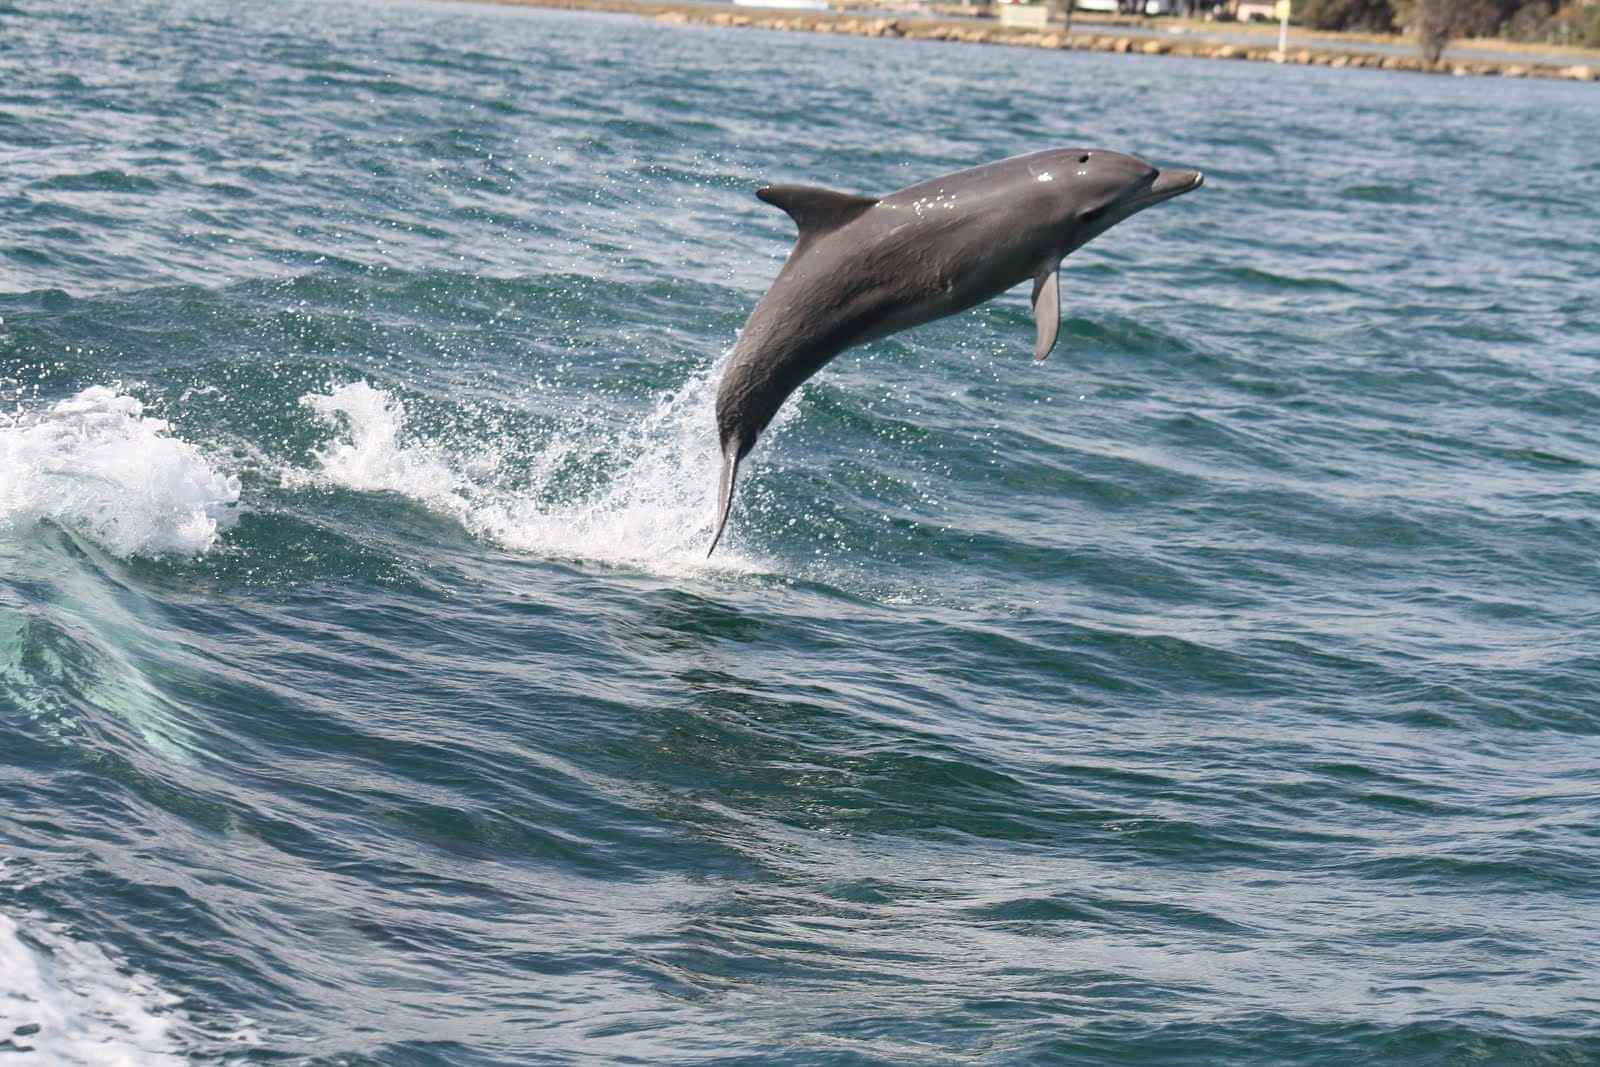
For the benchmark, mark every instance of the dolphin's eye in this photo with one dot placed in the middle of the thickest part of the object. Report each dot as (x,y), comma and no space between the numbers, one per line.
(1084,158)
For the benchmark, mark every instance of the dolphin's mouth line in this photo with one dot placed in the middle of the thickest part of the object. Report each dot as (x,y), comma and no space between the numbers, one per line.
(1167,185)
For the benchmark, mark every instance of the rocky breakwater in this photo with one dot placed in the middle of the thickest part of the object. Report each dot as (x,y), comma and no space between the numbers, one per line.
(970,32)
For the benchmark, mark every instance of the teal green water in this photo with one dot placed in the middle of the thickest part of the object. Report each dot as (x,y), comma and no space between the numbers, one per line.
(1223,690)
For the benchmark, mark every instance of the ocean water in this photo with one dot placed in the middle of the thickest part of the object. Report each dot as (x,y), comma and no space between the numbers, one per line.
(1222,690)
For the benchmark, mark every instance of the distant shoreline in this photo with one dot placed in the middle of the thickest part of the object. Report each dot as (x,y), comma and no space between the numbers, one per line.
(1082,39)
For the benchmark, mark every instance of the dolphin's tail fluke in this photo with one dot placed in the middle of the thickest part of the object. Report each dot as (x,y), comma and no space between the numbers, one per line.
(730,473)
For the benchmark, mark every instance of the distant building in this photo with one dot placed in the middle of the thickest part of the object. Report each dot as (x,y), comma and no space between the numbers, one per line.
(1252,10)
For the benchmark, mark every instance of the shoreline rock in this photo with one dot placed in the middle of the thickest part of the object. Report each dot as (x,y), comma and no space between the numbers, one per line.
(967,32)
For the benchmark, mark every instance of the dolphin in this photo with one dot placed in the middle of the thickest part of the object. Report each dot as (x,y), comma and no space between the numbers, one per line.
(865,267)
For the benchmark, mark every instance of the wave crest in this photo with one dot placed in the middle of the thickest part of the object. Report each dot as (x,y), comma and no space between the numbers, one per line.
(97,465)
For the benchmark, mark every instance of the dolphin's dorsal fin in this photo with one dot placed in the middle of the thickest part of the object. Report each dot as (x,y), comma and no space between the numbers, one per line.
(815,210)
(1046,308)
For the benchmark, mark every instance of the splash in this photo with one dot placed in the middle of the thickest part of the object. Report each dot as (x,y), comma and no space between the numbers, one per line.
(374,457)
(64,1001)
(97,465)
(644,495)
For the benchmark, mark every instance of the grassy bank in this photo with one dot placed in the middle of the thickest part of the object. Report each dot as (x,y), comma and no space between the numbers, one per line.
(1314,50)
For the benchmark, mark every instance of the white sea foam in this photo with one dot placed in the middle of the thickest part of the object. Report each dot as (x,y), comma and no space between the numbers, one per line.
(64,1001)
(654,511)
(97,465)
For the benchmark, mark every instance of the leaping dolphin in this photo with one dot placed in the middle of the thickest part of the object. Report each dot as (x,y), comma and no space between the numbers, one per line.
(864,268)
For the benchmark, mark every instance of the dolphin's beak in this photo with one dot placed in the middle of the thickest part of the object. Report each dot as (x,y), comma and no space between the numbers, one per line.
(1171,183)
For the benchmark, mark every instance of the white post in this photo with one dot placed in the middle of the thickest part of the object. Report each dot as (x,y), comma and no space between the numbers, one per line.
(1283,29)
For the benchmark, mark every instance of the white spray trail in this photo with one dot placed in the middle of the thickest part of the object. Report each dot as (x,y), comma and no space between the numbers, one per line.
(654,513)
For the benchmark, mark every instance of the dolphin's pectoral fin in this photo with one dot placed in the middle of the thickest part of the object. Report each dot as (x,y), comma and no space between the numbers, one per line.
(814,210)
(730,473)
(1046,309)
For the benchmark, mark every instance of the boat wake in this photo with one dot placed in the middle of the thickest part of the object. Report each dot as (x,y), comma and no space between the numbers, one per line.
(64,1001)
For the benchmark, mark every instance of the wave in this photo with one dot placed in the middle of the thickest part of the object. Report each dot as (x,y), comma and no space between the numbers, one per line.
(97,465)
